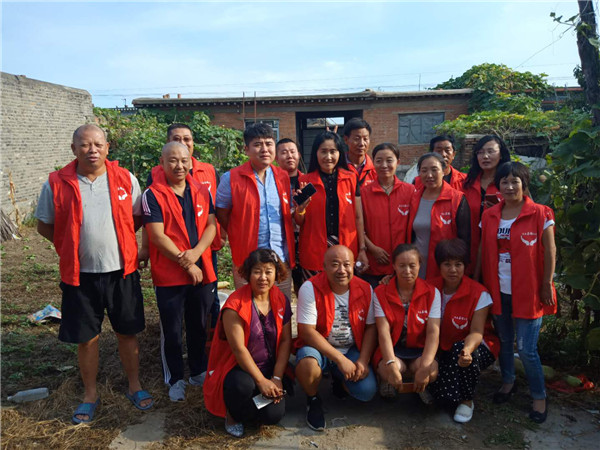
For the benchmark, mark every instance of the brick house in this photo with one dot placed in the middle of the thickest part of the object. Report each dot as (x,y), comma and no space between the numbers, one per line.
(405,118)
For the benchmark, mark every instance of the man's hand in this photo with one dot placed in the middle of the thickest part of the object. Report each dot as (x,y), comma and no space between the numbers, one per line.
(347,367)
(143,256)
(380,255)
(546,294)
(196,274)
(362,370)
(187,258)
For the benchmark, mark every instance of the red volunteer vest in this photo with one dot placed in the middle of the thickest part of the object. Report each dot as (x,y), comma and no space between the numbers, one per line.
(527,257)
(456,322)
(359,302)
(418,313)
(386,219)
(69,216)
(221,359)
(443,222)
(473,196)
(166,272)
(313,232)
(245,212)
(457,179)
(367,174)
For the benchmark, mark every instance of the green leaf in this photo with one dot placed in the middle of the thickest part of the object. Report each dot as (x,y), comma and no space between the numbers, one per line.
(577,281)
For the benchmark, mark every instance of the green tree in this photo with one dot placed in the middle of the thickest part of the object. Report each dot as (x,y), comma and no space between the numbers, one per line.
(136,140)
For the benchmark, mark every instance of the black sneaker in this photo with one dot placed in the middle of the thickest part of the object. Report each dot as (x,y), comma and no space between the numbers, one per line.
(314,414)
(338,389)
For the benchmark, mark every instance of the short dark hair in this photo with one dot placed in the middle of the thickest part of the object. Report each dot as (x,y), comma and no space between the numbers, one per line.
(442,138)
(475,169)
(431,155)
(403,248)
(263,256)
(175,126)
(319,139)
(356,123)
(452,250)
(285,141)
(516,169)
(258,130)
(386,146)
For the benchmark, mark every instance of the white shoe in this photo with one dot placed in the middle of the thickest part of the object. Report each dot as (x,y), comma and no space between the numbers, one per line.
(197,380)
(426,397)
(236,429)
(177,391)
(464,413)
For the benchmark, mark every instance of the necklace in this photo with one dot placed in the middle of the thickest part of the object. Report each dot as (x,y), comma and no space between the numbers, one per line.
(387,189)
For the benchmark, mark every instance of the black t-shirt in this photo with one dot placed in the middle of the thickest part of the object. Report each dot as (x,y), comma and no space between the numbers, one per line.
(332,204)
(152,212)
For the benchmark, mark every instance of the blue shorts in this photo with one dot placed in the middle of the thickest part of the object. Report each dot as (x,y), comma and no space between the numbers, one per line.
(363,390)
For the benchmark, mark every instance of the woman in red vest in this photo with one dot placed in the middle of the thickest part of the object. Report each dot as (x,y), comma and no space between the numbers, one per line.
(333,215)
(479,188)
(407,315)
(251,347)
(436,212)
(386,203)
(467,341)
(518,256)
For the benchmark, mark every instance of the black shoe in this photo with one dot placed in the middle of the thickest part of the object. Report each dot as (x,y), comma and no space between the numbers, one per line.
(538,417)
(503,397)
(337,386)
(314,414)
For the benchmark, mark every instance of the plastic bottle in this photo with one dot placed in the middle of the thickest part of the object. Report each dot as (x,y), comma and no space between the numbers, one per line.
(29,395)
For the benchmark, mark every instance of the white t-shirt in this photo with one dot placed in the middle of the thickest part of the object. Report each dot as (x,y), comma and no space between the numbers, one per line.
(341,336)
(434,313)
(504,259)
(484,301)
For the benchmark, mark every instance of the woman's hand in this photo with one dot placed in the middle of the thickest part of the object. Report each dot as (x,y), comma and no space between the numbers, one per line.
(394,376)
(386,279)
(464,359)
(279,385)
(546,294)
(422,378)
(362,370)
(269,389)
(380,255)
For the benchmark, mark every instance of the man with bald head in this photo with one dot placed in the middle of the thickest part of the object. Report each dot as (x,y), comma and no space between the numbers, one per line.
(96,205)
(179,218)
(336,331)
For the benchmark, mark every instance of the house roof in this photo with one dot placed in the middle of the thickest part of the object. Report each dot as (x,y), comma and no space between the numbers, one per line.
(366,95)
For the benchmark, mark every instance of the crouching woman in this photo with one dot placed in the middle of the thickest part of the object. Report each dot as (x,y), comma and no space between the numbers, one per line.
(467,340)
(251,347)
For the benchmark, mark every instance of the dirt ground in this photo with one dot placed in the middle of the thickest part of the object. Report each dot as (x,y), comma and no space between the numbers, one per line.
(33,357)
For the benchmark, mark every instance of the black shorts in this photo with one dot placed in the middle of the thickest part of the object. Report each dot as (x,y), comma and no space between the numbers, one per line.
(83,306)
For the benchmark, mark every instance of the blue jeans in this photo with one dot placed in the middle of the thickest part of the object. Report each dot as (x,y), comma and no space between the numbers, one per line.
(528,331)
(363,390)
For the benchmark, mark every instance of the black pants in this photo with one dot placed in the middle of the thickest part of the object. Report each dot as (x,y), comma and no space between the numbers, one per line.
(174,304)
(238,390)
(455,384)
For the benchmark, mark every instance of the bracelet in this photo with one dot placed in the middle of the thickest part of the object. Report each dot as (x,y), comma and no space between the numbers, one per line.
(276,378)
(391,361)
(300,213)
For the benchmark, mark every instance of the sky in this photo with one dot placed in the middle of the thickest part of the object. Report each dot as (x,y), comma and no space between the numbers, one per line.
(126,50)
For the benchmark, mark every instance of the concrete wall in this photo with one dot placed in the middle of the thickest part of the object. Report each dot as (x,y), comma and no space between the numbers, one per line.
(37,123)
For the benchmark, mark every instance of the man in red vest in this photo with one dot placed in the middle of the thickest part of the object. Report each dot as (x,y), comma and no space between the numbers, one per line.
(180,220)
(357,137)
(96,205)
(444,145)
(254,205)
(336,332)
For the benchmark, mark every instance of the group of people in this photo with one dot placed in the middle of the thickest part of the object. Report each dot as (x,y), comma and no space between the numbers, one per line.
(400,287)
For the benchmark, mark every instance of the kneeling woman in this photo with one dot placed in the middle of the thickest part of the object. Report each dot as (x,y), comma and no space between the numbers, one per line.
(251,347)
(467,341)
(407,314)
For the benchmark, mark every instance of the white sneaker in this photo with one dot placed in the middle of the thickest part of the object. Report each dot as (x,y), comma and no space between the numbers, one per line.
(426,397)
(464,413)
(197,380)
(177,391)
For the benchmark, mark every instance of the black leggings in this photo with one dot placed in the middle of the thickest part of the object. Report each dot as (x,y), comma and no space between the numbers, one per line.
(238,390)
(455,384)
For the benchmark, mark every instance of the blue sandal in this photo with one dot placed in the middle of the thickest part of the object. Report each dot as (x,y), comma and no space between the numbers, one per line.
(87,409)
(138,397)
